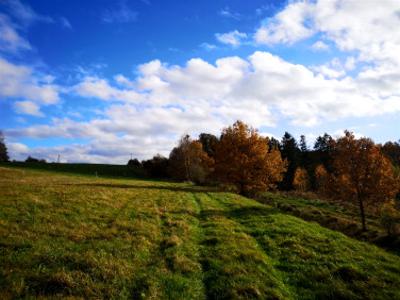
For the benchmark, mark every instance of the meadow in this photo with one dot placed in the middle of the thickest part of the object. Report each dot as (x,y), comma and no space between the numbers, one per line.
(79,236)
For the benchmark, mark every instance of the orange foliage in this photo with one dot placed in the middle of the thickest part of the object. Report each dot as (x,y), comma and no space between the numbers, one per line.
(362,173)
(322,180)
(243,158)
(301,180)
(189,162)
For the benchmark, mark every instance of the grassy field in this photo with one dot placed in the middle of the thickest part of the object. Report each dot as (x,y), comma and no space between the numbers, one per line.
(87,237)
(103,170)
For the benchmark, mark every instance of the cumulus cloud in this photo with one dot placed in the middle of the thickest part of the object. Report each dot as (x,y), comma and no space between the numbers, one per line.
(351,25)
(19,81)
(148,113)
(233,38)
(288,26)
(100,88)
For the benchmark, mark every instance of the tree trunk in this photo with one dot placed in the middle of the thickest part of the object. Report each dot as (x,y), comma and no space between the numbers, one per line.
(362,213)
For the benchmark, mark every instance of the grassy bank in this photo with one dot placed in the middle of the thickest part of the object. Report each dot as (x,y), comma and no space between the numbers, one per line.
(333,216)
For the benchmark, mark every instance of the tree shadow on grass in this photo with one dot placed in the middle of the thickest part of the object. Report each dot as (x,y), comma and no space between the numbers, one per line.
(192,189)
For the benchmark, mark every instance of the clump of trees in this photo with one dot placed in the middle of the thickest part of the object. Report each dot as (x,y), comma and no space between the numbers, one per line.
(345,169)
(189,162)
(243,158)
(31,159)
(362,173)
(3,149)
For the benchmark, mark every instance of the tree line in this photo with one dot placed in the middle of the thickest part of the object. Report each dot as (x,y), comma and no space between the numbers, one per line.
(346,169)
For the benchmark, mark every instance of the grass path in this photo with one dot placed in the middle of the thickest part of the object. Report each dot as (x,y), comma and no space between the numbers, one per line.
(233,264)
(82,237)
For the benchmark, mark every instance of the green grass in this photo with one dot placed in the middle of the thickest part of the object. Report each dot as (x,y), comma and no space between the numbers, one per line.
(334,216)
(102,170)
(83,237)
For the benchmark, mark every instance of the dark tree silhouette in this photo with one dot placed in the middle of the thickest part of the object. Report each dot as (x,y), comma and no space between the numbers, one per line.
(3,149)
(323,148)
(156,167)
(303,144)
(31,159)
(134,163)
(274,144)
(290,152)
(209,143)
(392,151)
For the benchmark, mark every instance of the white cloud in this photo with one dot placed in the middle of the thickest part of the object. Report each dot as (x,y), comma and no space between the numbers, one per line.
(287,26)
(208,47)
(10,40)
(24,13)
(28,108)
(351,25)
(123,81)
(19,81)
(233,38)
(100,88)
(332,69)
(320,46)
(227,13)
(164,101)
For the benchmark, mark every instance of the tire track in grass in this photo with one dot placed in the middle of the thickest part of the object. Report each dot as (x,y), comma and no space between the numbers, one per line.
(234,266)
(174,271)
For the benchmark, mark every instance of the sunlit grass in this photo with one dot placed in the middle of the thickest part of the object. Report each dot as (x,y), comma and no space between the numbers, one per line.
(65,235)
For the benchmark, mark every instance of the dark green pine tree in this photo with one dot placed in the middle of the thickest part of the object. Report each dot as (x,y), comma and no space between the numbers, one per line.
(291,152)
(3,149)
(323,150)
(209,143)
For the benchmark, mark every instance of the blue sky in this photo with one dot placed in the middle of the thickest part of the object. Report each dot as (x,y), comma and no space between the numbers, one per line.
(95,81)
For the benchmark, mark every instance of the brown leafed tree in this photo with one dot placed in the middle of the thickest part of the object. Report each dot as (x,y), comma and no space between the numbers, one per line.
(322,180)
(362,173)
(301,180)
(188,161)
(243,159)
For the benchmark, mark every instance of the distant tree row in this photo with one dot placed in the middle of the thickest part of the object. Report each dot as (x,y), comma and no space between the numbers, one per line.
(346,169)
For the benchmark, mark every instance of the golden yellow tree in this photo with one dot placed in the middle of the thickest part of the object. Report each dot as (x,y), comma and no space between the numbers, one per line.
(188,161)
(322,180)
(362,173)
(243,158)
(301,180)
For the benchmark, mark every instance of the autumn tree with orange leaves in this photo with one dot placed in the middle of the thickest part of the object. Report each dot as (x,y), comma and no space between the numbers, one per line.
(188,161)
(362,173)
(243,159)
(322,180)
(301,180)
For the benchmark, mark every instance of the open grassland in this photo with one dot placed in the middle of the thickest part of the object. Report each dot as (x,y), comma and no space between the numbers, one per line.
(77,236)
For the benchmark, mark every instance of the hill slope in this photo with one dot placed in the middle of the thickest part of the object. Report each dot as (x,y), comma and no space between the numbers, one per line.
(78,236)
